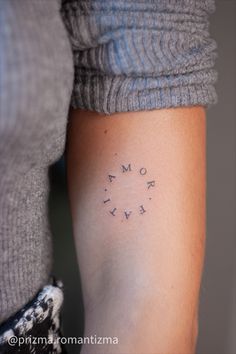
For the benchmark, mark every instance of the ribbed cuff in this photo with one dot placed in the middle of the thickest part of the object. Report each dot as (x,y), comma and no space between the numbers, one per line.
(110,95)
(141,55)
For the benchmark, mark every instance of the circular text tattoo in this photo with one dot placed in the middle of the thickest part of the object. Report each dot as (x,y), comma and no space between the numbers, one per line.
(112,180)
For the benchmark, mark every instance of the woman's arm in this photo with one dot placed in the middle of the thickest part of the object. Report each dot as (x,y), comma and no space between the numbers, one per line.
(137,194)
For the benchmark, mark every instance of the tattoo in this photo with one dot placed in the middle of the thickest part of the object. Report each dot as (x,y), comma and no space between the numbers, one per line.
(113,211)
(151,184)
(114,179)
(126,169)
(143,171)
(127,214)
(110,177)
(142,210)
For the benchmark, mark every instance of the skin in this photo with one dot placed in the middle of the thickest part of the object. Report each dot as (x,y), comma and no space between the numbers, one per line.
(140,275)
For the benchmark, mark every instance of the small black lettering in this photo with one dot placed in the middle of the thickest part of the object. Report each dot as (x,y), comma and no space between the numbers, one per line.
(111,177)
(143,171)
(142,210)
(113,211)
(151,184)
(127,214)
(126,169)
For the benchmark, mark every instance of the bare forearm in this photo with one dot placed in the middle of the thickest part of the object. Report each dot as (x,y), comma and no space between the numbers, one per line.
(137,191)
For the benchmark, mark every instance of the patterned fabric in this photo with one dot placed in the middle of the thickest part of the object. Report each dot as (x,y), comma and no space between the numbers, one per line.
(36,327)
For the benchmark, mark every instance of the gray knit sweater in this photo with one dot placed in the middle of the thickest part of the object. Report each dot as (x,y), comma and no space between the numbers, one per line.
(141,54)
(127,55)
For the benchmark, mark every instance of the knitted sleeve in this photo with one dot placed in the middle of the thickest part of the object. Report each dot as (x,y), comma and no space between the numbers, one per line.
(133,55)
